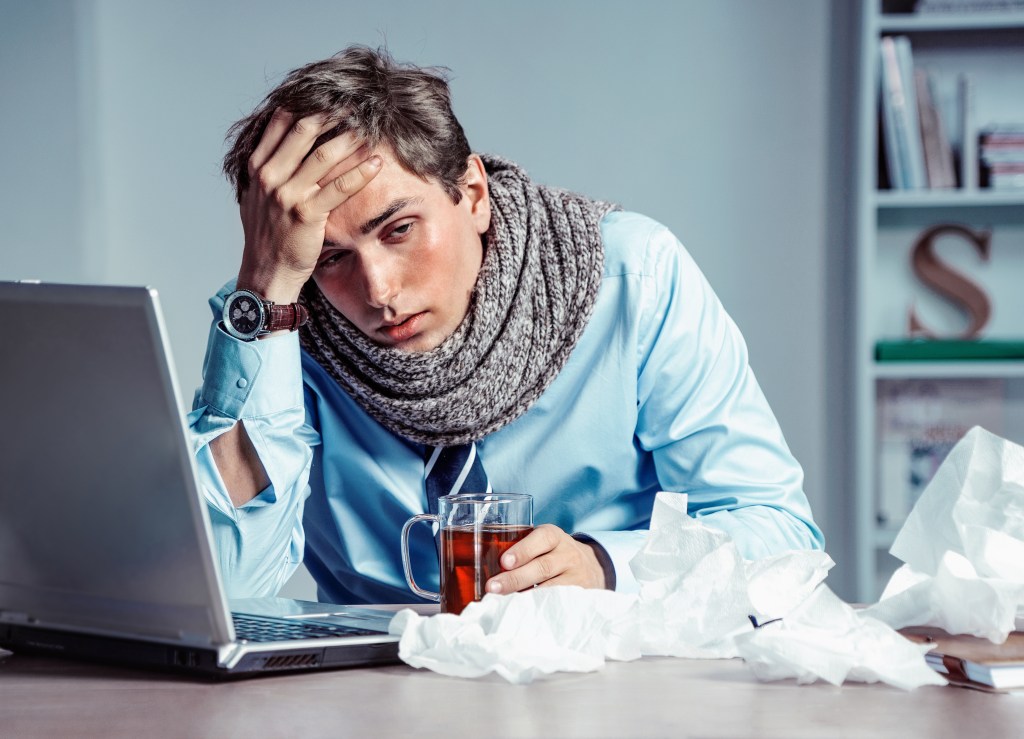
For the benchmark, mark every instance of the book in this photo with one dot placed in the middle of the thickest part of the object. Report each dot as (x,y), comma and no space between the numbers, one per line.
(901,127)
(970,661)
(917,178)
(968,134)
(938,154)
(930,350)
(1005,135)
(892,104)
(1009,176)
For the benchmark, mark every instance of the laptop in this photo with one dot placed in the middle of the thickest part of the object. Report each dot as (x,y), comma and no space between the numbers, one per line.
(105,547)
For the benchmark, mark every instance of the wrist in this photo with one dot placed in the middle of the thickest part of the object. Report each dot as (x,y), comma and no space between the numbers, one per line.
(604,559)
(248,316)
(278,285)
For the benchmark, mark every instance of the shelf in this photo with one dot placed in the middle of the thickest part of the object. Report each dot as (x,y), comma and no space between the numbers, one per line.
(952,370)
(948,199)
(988,49)
(981,21)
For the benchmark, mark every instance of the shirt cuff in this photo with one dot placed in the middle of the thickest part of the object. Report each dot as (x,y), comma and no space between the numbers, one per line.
(249,379)
(614,551)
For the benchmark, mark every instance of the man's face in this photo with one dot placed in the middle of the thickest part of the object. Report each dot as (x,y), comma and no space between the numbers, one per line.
(400,259)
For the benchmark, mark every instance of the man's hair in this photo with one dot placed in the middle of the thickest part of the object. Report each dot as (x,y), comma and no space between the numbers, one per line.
(405,107)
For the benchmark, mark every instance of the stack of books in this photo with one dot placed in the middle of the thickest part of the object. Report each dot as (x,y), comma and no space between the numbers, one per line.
(1002,157)
(971,662)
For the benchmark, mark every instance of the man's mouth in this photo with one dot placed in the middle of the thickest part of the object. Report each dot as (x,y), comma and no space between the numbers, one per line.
(402,329)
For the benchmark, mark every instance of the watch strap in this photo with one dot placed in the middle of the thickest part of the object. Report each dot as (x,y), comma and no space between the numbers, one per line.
(285,317)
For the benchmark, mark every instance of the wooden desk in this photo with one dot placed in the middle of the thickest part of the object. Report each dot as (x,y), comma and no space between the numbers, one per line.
(42,697)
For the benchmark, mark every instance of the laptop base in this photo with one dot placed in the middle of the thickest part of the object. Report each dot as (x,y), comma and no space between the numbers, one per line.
(190,660)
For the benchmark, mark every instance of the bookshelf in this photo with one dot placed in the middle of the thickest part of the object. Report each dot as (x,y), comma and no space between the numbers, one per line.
(988,47)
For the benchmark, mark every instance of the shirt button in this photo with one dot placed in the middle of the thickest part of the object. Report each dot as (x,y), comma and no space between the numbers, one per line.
(242,382)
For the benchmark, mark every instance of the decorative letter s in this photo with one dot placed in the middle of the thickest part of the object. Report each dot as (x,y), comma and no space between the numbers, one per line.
(948,282)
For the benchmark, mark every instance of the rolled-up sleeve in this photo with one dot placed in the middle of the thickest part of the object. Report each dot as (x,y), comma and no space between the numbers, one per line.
(258,384)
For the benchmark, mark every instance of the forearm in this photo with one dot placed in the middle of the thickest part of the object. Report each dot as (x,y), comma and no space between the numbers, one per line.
(759,531)
(239,465)
(762,531)
(260,544)
(253,451)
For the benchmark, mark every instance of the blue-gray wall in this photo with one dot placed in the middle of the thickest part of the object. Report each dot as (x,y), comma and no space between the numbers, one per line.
(709,115)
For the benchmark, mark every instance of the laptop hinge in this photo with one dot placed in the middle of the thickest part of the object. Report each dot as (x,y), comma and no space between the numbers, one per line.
(192,638)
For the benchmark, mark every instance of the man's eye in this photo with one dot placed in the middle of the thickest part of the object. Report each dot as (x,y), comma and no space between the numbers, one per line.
(402,230)
(331,259)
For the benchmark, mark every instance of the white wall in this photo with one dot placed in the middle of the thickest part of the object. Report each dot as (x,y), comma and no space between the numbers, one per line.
(709,115)
(40,141)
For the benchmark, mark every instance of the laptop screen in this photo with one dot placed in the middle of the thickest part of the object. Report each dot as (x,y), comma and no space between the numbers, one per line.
(101,524)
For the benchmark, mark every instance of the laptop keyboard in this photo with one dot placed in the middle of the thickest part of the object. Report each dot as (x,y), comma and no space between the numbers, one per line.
(264,629)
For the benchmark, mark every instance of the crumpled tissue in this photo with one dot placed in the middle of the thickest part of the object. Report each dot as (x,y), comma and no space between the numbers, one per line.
(519,636)
(963,545)
(697,596)
(826,638)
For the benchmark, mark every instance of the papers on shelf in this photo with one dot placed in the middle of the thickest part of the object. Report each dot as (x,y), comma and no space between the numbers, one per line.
(919,422)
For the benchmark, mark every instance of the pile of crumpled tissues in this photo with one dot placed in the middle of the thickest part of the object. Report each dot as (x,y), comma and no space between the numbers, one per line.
(699,598)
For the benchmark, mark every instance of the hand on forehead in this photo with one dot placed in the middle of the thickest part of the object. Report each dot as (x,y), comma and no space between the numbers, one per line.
(361,154)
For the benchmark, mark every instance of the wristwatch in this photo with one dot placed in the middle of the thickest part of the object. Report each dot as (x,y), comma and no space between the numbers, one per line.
(248,316)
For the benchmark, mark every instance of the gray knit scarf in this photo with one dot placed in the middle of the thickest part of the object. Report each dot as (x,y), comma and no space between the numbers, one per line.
(534,295)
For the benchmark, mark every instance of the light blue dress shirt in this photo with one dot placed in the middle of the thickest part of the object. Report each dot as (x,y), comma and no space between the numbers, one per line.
(657,395)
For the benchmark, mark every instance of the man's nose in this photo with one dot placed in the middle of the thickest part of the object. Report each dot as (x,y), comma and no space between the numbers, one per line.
(381,281)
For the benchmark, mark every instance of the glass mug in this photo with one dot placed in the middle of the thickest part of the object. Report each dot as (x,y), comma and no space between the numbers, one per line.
(476,529)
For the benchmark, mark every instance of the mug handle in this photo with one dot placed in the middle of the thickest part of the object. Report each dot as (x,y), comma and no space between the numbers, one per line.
(407,564)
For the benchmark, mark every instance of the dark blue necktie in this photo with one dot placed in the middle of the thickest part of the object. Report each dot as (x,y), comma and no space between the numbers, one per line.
(453,469)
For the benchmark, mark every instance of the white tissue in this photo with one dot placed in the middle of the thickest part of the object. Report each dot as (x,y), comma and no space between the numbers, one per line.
(518,636)
(825,638)
(963,544)
(693,588)
(696,598)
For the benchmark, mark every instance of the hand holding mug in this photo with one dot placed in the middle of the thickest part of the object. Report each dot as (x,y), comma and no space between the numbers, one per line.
(476,529)
(548,556)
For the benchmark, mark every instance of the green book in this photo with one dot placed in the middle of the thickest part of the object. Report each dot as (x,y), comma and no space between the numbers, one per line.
(909,350)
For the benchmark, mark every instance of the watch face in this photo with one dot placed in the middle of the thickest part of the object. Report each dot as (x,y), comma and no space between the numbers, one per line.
(245,314)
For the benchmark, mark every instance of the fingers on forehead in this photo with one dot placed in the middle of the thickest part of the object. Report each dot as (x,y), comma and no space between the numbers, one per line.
(351,155)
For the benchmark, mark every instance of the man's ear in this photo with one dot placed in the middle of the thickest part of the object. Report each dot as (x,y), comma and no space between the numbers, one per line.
(475,194)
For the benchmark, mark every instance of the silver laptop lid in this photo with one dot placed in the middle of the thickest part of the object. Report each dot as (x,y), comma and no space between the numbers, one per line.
(102,528)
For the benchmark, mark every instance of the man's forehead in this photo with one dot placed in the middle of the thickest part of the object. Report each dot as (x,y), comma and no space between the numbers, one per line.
(388,210)
(391,184)
(394,178)
(392,166)
(372,205)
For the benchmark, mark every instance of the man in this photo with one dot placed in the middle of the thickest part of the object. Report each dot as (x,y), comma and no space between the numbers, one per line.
(573,350)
